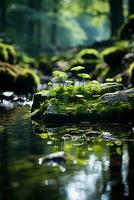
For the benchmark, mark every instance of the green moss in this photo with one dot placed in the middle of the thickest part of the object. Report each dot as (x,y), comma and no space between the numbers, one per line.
(87,58)
(73,101)
(26,81)
(89,54)
(11,54)
(7,77)
(15,78)
(3,53)
(24,59)
(7,53)
(113,56)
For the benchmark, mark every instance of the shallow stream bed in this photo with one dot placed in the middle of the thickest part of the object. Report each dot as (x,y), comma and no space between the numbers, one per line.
(101,169)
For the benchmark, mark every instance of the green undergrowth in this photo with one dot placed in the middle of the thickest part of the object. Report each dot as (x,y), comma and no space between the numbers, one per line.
(78,100)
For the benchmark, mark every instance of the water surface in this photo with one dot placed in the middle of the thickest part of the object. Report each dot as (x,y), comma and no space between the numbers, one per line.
(93,169)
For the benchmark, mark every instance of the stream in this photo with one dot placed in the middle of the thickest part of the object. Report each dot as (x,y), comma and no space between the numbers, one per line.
(97,170)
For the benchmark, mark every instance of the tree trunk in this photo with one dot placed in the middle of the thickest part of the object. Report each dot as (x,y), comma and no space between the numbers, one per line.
(131,6)
(116,15)
(31,28)
(3,15)
(39,25)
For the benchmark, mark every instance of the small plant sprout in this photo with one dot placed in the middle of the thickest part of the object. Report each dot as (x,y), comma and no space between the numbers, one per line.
(78,97)
(118,79)
(68,82)
(78,68)
(49,84)
(110,80)
(60,77)
(84,76)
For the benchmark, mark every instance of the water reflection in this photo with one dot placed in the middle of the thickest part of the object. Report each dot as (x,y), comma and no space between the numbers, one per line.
(93,170)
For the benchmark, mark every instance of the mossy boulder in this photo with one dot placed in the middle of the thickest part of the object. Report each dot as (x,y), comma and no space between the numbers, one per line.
(126,32)
(7,77)
(89,54)
(87,58)
(113,56)
(93,103)
(7,53)
(17,79)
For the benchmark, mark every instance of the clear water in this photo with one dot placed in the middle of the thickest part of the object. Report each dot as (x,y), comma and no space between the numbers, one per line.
(93,170)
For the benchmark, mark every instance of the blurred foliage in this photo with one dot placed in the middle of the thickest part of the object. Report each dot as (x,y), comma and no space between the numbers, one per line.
(63,23)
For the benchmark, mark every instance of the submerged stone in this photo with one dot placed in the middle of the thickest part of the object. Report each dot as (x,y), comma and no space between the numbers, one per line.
(57,157)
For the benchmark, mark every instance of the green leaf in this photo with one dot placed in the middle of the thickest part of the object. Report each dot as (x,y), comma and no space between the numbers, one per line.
(78,68)
(109,80)
(84,76)
(118,150)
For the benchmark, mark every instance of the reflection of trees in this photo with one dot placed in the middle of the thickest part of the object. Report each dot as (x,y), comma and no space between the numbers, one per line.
(122,172)
(131,171)
(4,173)
(115,169)
(131,6)
(3,8)
(116,14)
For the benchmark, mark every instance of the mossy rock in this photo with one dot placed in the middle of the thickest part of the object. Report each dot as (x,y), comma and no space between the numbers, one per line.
(113,56)
(87,58)
(89,54)
(17,79)
(7,77)
(7,53)
(93,103)
(126,32)
(26,81)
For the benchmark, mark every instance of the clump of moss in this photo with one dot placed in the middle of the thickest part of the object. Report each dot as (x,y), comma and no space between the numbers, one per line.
(71,100)
(93,103)
(24,59)
(7,53)
(89,54)
(14,78)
